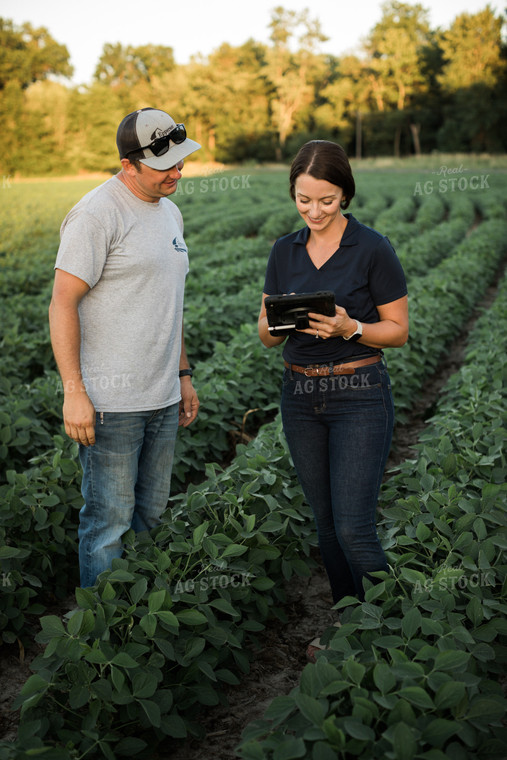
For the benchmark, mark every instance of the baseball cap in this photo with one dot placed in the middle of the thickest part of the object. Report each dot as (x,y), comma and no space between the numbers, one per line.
(139,129)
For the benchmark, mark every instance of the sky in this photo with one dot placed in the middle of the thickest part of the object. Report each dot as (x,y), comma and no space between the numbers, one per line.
(194,27)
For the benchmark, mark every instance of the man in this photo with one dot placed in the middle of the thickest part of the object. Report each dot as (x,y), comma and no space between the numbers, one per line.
(116,323)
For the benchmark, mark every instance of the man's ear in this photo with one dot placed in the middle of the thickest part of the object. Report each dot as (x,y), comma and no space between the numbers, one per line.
(127,167)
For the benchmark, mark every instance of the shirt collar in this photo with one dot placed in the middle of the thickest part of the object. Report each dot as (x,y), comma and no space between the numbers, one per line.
(349,236)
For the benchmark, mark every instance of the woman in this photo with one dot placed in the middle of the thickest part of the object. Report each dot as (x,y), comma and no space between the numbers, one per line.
(337,407)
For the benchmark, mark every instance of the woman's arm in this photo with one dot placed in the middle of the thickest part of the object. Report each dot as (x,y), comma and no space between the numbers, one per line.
(264,334)
(391,331)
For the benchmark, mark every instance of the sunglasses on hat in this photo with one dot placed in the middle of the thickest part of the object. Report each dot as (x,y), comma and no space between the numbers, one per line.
(160,145)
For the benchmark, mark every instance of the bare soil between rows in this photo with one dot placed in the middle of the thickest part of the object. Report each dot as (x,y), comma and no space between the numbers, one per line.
(281,655)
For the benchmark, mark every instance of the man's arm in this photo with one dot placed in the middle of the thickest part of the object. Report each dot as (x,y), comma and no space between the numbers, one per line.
(189,404)
(64,326)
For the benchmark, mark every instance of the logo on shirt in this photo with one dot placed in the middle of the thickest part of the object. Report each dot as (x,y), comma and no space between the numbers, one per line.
(179,246)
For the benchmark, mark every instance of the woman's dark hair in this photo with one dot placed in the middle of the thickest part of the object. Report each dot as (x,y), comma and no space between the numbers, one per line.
(322,159)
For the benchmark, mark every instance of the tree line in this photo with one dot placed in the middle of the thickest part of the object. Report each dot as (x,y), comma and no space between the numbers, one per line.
(410,89)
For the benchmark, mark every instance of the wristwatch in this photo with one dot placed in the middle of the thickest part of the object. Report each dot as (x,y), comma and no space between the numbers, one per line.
(358,332)
(185,372)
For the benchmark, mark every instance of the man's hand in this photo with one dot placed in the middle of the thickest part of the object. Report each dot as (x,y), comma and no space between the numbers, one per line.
(79,418)
(189,404)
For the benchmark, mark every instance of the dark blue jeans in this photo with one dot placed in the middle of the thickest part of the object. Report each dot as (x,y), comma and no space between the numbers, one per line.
(339,432)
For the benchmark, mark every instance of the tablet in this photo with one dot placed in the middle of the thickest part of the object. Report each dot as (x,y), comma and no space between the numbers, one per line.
(290,312)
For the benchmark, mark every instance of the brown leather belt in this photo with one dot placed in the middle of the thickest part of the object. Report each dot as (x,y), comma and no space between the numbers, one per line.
(337,369)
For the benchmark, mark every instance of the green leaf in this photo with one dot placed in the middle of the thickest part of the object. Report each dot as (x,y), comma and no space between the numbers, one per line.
(85,598)
(224,606)
(234,550)
(124,660)
(118,678)
(78,696)
(312,709)
(52,626)
(439,731)
(206,668)
(227,676)
(108,592)
(34,684)
(149,624)
(174,725)
(152,711)
(129,746)
(144,685)
(413,576)
(262,583)
(156,600)
(121,575)
(449,694)
(138,590)
(358,730)
(411,623)
(280,709)
(388,642)
(191,617)
(289,749)
(374,592)
(404,742)
(199,532)
(474,611)
(383,677)
(75,622)
(168,617)
(452,659)
(96,656)
(423,533)
(323,751)
(354,670)
(486,710)
(417,696)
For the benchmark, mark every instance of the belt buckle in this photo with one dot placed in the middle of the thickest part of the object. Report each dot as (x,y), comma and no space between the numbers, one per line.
(318,370)
(312,370)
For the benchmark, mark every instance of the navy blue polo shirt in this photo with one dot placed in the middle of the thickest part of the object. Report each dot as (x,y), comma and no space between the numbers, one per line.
(364,272)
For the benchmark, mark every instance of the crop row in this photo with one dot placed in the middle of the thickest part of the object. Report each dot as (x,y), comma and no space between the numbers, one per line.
(414,670)
(38,514)
(38,505)
(410,671)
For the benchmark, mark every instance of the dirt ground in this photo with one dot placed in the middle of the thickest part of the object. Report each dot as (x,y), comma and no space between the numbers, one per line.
(277,665)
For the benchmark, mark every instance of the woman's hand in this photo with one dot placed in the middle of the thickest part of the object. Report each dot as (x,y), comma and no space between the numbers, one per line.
(325,327)
(390,331)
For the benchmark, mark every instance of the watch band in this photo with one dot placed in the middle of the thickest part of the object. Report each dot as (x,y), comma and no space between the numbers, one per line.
(357,333)
(185,372)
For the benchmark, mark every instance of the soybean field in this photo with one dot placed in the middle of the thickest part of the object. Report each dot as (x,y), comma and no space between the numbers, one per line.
(151,660)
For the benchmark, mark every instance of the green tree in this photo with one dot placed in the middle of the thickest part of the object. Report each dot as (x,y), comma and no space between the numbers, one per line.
(28,55)
(472,51)
(394,50)
(291,76)
(93,116)
(345,99)
(127,65)
(240,123)
(473,82)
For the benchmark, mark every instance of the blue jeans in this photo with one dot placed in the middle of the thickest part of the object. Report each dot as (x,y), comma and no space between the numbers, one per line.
(339,432)
(126,482)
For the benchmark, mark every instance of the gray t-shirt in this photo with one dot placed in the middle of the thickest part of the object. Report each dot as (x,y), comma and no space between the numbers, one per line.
(133,256)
